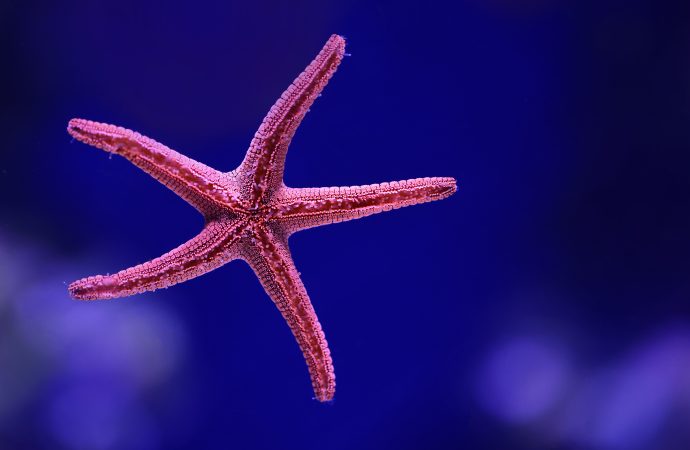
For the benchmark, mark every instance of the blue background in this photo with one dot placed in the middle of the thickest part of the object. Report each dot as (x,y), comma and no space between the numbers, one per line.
(545,305)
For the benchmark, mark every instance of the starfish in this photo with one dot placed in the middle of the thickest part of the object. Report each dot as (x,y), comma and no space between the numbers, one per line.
(250,213)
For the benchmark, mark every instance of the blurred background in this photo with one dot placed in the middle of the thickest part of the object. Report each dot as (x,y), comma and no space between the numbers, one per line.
(545,305)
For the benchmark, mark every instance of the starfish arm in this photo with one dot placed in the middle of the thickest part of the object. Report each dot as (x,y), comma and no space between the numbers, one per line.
(210,249)
(269,257)
(201,186)
(300,209)
(265,159)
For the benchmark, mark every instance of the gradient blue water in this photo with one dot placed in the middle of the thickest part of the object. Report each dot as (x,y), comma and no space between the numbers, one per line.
(545,305)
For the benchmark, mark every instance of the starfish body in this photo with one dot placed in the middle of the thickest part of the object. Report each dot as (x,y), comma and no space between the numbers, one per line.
(249,212)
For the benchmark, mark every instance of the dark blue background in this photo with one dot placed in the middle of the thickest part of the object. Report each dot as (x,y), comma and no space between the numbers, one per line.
(565,123)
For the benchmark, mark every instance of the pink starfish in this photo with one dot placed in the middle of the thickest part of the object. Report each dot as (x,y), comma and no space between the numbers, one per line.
(250,213)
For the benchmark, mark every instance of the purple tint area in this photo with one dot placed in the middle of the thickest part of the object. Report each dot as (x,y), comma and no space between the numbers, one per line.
(140,342)
(523,380)
(628,404)
(82,376)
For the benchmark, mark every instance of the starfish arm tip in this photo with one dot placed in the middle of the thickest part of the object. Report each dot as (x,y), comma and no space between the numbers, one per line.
(98,287)
(93,133)
(338,38)
(451,185)
(75,122)
(325,398)
(337,43)
(75,127)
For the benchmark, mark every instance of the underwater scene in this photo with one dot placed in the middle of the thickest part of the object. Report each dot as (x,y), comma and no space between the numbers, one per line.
(345,225)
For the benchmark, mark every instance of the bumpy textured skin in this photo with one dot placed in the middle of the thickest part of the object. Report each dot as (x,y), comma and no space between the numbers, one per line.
(250,213)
